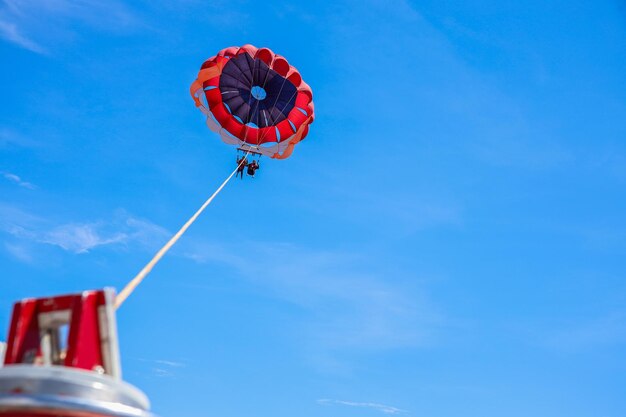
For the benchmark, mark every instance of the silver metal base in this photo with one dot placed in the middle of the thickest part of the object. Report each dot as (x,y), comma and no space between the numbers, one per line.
(61,391)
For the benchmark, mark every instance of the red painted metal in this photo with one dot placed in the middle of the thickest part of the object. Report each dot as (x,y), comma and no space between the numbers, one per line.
(23,332)
(84,344)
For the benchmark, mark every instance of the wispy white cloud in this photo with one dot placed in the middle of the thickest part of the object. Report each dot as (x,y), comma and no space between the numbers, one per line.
(22,22)
(11,33)
(174,364)
(386,409)
(142,231)
(164,368)
(80,237)
(162,373)
(13,219)
(17,180)
(19,252)
(351,302)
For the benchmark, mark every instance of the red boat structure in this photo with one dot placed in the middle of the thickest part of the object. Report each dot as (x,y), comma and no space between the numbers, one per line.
(62,359)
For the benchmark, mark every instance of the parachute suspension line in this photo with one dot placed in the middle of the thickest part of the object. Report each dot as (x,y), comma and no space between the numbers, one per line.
(251,110)
(258,140)
(132,285)
(251,97)
(284,107)
(256,104)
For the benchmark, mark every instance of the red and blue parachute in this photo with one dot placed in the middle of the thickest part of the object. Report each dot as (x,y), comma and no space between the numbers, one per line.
(254,99)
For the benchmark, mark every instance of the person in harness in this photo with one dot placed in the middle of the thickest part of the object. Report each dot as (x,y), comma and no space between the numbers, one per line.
(241,164)
(252,167)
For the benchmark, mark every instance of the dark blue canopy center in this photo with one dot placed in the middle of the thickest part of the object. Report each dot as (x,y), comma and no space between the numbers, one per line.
(255,93)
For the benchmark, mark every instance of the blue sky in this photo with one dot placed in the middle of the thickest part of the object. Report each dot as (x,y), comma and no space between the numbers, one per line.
(448,240)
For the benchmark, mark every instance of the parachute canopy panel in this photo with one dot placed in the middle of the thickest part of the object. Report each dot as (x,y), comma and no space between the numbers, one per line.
(254,99)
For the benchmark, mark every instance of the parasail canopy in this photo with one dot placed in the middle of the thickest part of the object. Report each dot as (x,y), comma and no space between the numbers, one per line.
(254,99)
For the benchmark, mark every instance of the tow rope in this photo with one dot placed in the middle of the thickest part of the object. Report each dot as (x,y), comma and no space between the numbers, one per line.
(132,285)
